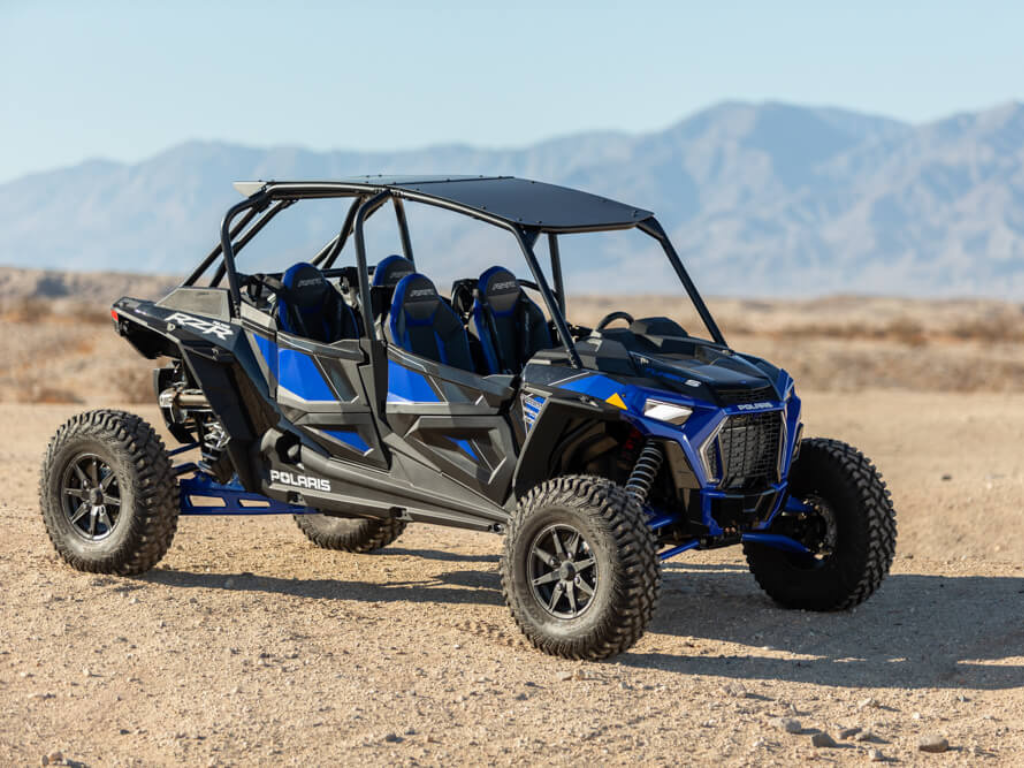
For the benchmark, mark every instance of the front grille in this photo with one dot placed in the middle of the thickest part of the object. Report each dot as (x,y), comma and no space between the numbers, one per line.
(742,396)
(714,465)
(748,447)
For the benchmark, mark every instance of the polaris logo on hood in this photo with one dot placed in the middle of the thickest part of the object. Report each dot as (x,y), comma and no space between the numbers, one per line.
(300,481)
(755,406)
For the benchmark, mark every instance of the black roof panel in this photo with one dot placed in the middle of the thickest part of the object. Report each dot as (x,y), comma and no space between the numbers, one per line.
(533,203)
(518,201)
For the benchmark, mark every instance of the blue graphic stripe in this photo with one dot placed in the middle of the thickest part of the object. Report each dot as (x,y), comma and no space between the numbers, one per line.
(484,334)
(464,445)
(268,349)
(594,385)
(299,374)
(531,409)
(350,437)
(406,386)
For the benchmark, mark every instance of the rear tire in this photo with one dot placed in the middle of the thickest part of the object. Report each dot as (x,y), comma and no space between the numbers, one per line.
(345,534)
(859,523)
(580,569)
(107,493)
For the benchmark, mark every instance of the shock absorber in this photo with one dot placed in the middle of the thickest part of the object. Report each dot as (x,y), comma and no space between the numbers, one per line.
(644,471)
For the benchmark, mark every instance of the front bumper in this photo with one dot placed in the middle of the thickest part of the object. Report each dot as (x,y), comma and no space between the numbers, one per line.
(722,512)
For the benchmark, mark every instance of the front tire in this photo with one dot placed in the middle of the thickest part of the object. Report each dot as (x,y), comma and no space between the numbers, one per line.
(108,494)
(851,530)
(345,534)
(580,569)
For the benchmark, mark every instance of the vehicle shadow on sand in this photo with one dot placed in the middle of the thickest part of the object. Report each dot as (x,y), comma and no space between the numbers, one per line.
(436,554)
(917,631)
(463,586)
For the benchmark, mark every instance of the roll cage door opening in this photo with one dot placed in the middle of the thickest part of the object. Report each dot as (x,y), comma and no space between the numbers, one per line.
(526,237)
(366,202)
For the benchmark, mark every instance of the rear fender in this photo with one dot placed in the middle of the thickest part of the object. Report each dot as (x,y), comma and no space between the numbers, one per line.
(220,361)
(157,331)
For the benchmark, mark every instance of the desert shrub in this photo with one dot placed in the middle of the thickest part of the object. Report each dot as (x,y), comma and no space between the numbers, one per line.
(906,331)
(85,313)
(903,330)
(733,327)
(990,329)
(48,395)
(27,310)
(823,330)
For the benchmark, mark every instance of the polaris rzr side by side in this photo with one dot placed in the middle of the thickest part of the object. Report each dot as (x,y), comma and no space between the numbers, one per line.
(359,399)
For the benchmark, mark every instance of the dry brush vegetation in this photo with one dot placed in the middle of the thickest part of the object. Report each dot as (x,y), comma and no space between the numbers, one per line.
(67,352)
(64,351)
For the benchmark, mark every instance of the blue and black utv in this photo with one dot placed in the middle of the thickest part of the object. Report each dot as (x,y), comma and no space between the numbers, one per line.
(359,399)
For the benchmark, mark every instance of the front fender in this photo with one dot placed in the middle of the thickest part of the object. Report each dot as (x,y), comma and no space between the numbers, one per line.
(560,423)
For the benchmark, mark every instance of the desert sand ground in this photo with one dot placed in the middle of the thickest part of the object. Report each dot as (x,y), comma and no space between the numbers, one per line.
(248,645)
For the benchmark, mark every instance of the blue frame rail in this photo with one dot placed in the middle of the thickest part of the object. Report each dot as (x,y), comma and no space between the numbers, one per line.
(233,498)
(659,519)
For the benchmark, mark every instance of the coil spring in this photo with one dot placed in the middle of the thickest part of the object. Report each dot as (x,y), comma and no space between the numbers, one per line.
(214,440)
(644,471)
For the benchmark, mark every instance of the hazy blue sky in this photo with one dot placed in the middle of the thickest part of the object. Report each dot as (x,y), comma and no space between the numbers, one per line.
(115,80)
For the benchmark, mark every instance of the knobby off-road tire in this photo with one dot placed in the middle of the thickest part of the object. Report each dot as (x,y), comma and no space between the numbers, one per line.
(834,475)
(120,457)
(349,534)
(625,577)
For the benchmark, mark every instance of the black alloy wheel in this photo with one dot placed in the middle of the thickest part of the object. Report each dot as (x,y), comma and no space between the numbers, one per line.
(563,571)
(91,497)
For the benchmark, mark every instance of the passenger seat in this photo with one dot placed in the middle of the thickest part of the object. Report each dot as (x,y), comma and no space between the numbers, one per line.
(423,323)
(309,306)
(386,276)
(510,326)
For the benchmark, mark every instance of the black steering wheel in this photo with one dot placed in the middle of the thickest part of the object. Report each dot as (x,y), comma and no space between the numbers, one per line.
(611,317)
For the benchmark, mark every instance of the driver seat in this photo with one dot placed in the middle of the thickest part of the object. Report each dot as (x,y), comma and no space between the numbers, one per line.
(511,328)
(310,307)
(423,323)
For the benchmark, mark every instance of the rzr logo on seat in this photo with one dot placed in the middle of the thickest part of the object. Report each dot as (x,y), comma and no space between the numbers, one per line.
(508,285)
(222,331)
(300,481)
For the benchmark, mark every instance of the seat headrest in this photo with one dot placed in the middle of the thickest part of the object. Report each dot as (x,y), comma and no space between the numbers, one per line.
(306,285)
(416,297)
(500,289)
(391,270)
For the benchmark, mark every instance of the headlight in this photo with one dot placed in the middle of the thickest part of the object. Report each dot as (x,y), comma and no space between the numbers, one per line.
(671,413)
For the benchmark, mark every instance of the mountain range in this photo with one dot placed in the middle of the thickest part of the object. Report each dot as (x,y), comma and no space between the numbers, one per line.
(760,199)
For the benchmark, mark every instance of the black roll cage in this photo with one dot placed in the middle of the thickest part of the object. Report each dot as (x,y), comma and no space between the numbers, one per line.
(272,198)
